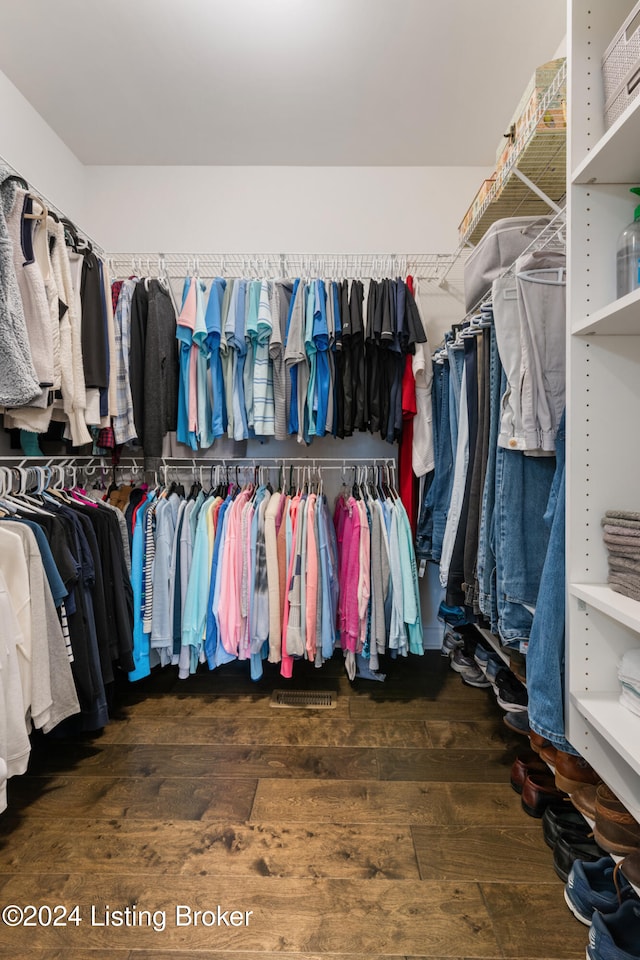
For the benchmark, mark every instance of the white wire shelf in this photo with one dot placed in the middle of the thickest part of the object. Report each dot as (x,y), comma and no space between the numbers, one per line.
(540,154)
(429,267)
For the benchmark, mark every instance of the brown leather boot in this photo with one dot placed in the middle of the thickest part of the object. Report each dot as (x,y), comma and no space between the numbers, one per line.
(573,772)
(615,831)
(584,800)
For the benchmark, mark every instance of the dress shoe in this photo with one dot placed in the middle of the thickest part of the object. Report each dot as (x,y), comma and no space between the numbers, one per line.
(615,830)
(571,847)
(563,818)
(584,800)
(523,764)
(573,771)
(538,792)
(630,869)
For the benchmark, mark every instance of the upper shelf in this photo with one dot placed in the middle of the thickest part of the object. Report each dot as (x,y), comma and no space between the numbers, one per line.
(620,318)
(538,156)
(615,158)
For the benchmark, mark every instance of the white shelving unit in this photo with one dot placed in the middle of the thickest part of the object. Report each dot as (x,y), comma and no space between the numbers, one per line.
(603,403)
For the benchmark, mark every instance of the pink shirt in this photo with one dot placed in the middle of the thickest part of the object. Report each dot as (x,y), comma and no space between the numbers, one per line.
(187,318)
(349,583)
(311,609)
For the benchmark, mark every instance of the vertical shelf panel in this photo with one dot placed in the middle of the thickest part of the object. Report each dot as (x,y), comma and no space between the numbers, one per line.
(603,407)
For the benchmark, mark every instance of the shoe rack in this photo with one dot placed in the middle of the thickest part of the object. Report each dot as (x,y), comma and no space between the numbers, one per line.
(603,402)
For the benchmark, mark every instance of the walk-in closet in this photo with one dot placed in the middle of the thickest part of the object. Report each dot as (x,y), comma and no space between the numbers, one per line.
(319,529)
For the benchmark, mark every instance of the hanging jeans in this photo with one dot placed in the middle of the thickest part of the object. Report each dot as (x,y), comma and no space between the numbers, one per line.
(522,491)
(459,482)
(487,599)
(545,655)
(455,581)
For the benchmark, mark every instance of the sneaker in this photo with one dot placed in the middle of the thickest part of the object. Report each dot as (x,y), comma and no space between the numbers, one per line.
(483,657)
(468,669)
(492,671)
(630,867)
(451,641)
(591,886)
(512,695)
(453,615)
(616,936)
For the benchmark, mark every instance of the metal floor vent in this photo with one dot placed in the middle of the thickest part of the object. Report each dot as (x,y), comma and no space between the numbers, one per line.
(304,699)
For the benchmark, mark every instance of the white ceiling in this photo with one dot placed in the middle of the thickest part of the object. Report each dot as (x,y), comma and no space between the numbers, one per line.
(303,82)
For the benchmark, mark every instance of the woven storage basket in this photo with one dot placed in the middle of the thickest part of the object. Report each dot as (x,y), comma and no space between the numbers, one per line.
(623,96)
(619,62)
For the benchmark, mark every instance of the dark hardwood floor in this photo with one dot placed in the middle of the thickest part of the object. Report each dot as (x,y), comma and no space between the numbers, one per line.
(385,827)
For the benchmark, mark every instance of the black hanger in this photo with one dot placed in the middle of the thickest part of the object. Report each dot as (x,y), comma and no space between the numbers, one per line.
(16,178)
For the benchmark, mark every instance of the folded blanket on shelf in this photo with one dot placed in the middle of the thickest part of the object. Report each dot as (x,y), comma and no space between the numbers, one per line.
(630,700)
(629,668)
(626,585)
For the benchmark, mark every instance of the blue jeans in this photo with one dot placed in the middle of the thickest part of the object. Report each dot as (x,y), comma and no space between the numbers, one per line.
(522,492)
(433,514)
(456,372)
(486,545)
(545,655)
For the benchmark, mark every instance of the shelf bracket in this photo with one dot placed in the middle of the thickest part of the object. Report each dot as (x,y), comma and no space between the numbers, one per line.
(532,186)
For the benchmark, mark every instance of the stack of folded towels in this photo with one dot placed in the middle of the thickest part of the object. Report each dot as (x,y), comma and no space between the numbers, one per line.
(622,540)
(629,676)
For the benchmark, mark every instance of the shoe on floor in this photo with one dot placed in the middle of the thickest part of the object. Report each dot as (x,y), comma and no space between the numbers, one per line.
(468,669)
(451,641)
(630,869)
(616,936)
(615,829)
(518,722)
(538,792)
(562,818)
(524,763)
(571,847)
(573,771)
(591,887)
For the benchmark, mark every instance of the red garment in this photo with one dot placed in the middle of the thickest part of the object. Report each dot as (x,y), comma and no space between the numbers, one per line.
(407,482)
(116,287)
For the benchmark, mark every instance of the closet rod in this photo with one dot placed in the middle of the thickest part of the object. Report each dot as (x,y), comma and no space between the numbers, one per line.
(422,266)
(97,248)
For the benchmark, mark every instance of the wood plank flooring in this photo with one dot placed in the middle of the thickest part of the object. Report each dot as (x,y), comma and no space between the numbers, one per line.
(384,828)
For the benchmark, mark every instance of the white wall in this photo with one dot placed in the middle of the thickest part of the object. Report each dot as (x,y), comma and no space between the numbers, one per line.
(32,148)
(287,210)
(279,209)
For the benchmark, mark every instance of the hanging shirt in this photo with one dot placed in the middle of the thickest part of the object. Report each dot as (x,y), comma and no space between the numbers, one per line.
(203,387)
(187,390)
(123,425)
(213,323)
(263,395)
(252,305)
(234,329)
